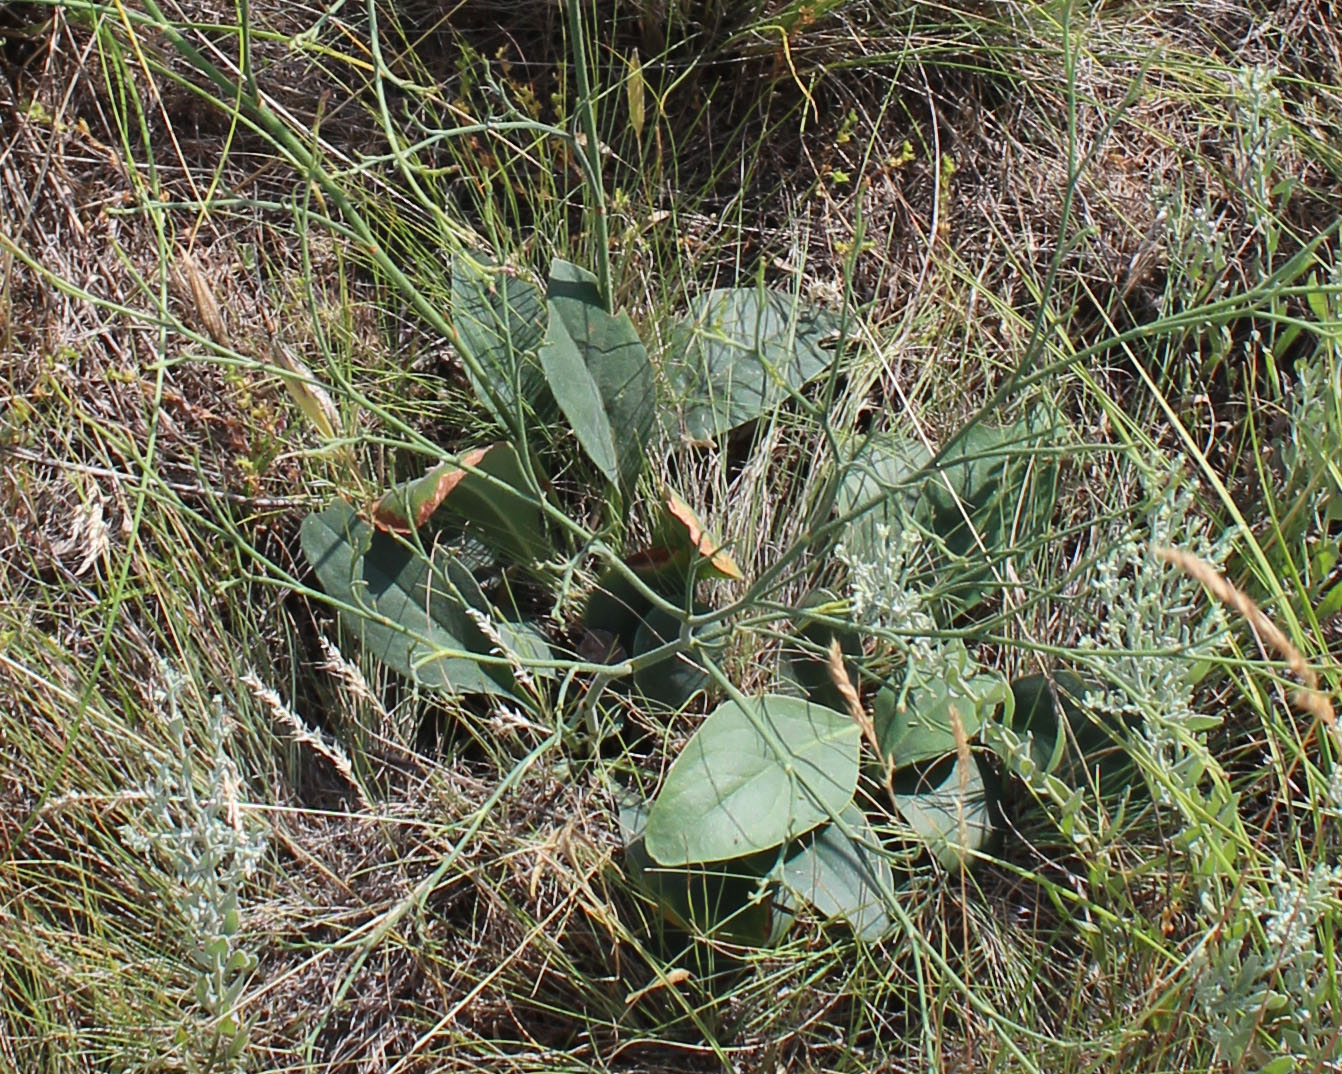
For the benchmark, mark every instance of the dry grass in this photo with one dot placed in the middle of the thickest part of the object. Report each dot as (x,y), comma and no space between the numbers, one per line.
(1310,698)
(464,906)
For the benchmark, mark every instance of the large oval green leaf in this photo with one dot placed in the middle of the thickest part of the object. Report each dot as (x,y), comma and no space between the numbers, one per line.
(409,612)
(752,778)
(957,817)
(500,320)
(741,352)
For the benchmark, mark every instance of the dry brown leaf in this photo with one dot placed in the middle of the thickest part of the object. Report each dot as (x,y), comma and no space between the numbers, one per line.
(206,307)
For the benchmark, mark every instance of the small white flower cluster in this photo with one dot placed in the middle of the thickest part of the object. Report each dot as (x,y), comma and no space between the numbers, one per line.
(883,598)
(209,845)
(1152,627)
(1279,984)
(880,593)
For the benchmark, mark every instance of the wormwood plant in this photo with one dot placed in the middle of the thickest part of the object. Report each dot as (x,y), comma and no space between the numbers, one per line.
(1310,454)
(1153,637)
(879,734)
(212,850)
(1265,973)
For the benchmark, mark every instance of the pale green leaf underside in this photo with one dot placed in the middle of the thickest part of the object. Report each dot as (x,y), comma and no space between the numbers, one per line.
(741,352)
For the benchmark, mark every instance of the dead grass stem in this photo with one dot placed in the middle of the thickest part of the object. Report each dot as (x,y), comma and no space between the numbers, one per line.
(1309,698)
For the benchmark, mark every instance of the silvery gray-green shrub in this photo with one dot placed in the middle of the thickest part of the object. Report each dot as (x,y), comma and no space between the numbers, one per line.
(194,828)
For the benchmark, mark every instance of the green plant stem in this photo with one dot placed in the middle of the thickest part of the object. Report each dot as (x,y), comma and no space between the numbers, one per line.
(592,152)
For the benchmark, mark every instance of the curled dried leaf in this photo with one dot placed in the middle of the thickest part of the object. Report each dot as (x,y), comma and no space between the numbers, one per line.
(703,542)
(404,510)
(206,307)
(312,399)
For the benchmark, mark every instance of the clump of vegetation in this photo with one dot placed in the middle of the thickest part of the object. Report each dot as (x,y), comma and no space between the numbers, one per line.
(716,537)
(213,852)
(772,772)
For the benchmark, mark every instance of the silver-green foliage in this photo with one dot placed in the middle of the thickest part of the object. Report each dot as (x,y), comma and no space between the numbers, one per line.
(1311,452)
(1263,970)
(754,776)
(1152,633)
(194,825)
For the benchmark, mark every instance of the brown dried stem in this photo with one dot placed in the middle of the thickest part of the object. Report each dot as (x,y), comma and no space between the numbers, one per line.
(1309,697)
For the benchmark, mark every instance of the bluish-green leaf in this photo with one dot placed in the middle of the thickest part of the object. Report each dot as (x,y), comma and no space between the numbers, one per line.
(499,507)
(993,490)
(742,351)
(500,320)
(430,637)
(753,778)
(844,877)
(916,723)
(958,816)
(617,365)
(673,681)
(1065,741)
(579,398)
(877,493)
(725,901)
